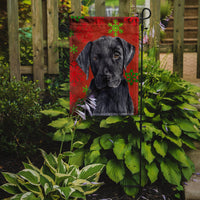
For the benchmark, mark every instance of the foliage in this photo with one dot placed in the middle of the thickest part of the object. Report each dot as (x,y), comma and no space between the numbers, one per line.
(20,107)
(54,180)
(170,122)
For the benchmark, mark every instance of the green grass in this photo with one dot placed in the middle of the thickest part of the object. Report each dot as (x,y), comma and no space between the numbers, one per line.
(112,3)
(140,2)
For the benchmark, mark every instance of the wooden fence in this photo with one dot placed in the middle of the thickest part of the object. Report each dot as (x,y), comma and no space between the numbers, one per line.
(45,34)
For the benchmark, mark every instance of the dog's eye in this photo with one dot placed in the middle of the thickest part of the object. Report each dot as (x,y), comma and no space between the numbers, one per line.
(95,58)
(116,55)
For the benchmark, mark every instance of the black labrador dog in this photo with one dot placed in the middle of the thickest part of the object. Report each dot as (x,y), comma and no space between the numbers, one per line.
(108,57)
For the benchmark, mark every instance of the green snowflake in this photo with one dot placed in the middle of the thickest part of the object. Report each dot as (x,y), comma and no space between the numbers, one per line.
(131,77)
(73,49)
(115,27)
(77,18)
(71,33)
(85,89)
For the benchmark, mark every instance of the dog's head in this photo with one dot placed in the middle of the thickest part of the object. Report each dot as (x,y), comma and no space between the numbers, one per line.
(107,57)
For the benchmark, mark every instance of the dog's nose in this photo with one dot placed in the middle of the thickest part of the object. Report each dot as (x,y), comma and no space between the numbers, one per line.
(106,72)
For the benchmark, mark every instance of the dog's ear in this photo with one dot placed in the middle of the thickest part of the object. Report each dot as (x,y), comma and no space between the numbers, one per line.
(129,51)
(83,59)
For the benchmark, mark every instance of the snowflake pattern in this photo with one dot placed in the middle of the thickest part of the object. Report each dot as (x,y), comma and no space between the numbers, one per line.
(77,18)
(73,49)
(131,77)
(85,89)
(115,28)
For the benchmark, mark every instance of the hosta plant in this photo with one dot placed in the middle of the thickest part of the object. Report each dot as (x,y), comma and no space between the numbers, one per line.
(54,180)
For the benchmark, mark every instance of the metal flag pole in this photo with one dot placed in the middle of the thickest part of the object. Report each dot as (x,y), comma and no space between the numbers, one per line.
(141,83)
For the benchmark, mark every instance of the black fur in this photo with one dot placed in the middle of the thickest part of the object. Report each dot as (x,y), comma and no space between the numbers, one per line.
(108,57)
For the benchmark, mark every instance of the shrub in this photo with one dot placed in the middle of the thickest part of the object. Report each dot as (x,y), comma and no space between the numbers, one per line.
(19,112)
(170,123)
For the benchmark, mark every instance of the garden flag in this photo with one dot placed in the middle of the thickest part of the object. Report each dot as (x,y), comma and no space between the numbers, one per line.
(104,55)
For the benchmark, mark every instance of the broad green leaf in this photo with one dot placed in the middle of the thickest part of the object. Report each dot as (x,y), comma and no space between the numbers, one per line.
(27,2)
(114,119)
(33,188)
(175,87)
(52,112)
(132,161)
(30,175)
(148,114)
(179,155)
(185,106)
(160,147)
(188,171)
(16,197)
(64,103)
(171,172)
(153,171)
(119,148)
(186,125)
(92,157)
(106,141)
(193,135)
(129,186)
(68,154)
(174,140)
(84,124)
(10,177)
(78,157)
(29,196)
(175,130)
(90,171)
(188,142)
(115,170)
(67,191)
(165,107)
(60,135)
(62,122)
(147,152)
(10,188)
(95,146)
(103,124)
(191,100)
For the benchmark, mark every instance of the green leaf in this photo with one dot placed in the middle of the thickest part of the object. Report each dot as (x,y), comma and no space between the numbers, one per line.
(106,141)
(185,106)
(91,171)
(188,171)
(132,161)
(29,196)
(103,124)
(10,188)
(114,119)
(78,157)
(10,177)
(95,146)
(78,144)
(188,142)
(52,112)
(179,155)
(165,107)
(84,124)
(171,172)
(62,122)
(148,114)
(175,130)
(64,103)
(129,186)
(33,188)
(92,157)
(153,171)
(174,140)
(147,153)
(119,148)
(30,175)
(16,197)
(115,170)
(160,147)
(186,125)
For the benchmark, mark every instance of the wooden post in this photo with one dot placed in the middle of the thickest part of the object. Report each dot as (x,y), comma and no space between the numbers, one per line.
(154,39)
(100,8)
(124,8)
(14,44)
(178,47)
(76,7)
(52,33)
(198,44)
(37,38)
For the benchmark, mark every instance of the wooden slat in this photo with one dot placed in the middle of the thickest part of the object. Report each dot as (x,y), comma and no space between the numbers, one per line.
(37,38)
(198,44)
(178,36)
(52,32)
(124,8)
(29,69)
(76,7)
(100,8)
(155,27)
(14,44)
